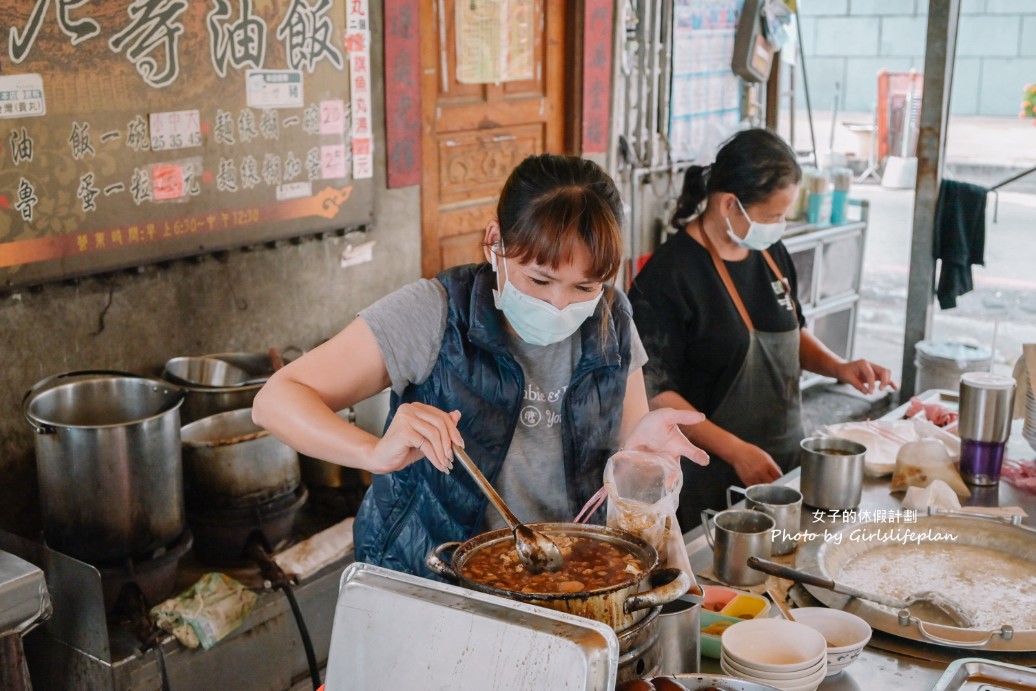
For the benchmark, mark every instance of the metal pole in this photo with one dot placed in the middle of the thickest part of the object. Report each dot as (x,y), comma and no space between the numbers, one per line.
(773,95)
(940,50)
(805,87)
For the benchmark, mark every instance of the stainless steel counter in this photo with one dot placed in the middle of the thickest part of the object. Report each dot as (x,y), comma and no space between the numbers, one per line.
(879,669)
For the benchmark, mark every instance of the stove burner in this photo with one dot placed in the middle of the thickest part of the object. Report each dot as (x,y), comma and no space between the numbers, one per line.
(222,535)
(154,579)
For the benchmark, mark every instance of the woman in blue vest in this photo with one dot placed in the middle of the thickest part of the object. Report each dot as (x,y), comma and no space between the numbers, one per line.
(530,361)
(717,309)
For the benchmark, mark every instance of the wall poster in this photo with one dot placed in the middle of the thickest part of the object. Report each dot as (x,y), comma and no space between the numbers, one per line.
(495,40)
(133,131)
(705,104)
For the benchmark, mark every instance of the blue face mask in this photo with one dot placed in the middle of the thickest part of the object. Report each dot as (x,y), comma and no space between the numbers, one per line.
(536,321)
(760,235)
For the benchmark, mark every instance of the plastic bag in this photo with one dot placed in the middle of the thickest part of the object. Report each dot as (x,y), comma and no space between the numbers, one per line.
(919,463)
(206,612)
(643,493)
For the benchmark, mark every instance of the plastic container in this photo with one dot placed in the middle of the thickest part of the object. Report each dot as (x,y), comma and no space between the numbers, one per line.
(730,601)
(713,625)
(941,363)
(717,597)
(746,606)
(818,202)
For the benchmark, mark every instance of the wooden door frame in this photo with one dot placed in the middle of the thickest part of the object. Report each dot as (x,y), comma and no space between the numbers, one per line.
(568,140)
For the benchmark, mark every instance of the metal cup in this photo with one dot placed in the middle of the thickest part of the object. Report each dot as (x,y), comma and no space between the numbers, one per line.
(679,634)
(740,534)
(986,405)
(832,472)
(780,502)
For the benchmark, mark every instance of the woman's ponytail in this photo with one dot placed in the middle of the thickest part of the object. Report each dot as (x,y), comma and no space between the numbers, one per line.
(694,192)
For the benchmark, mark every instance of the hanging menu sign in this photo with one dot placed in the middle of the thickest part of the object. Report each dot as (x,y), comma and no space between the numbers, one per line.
(134,131)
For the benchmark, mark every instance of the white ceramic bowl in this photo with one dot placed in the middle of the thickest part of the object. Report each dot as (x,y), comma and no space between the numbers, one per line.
(773,645)
(807,684)
(846,634)
(798,677)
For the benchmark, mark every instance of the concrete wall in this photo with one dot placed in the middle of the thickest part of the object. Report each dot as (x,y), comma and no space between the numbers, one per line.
(295,294)
(848,41)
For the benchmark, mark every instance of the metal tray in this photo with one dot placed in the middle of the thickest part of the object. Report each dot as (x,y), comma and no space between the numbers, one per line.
(401,632)
(827,556)
(23,595)
(978,674)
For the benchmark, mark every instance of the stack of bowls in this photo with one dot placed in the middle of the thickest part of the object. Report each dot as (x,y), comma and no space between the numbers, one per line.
(1029,428)
(784,654)
(846,634)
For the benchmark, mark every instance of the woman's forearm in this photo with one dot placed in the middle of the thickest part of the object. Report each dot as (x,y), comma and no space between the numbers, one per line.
(814,356)
(296,415)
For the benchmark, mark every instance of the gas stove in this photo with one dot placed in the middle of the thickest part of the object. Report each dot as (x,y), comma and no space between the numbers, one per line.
(85,645)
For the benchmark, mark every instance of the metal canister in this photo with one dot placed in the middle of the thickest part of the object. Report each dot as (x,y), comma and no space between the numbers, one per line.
(986,404)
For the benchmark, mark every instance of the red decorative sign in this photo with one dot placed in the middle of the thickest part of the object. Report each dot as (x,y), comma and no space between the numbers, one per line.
(597,75)
(403,92)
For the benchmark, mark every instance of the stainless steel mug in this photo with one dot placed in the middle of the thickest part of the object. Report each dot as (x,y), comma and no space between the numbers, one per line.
(740,534)
(832,472)
(986,405)
(679,634)
(780,502)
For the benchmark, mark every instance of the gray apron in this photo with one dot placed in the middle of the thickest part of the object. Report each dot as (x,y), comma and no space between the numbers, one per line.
(763,405)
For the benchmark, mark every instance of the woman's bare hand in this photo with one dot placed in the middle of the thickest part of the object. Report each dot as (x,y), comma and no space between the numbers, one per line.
(659,432)
(418,431)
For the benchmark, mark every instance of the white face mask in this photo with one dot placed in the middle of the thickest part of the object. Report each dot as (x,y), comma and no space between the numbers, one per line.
(759,235)
(536,321)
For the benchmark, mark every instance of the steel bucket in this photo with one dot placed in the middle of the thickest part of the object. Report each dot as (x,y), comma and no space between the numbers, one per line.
(108,463)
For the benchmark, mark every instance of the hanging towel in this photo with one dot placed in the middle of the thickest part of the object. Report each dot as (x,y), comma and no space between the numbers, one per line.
(960,237)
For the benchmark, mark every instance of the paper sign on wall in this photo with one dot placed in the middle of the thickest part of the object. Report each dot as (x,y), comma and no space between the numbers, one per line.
(274,88)
(167,182)
(357,42)
(495,40)
(177,129)
(332,116)
(21,95)
(332,161)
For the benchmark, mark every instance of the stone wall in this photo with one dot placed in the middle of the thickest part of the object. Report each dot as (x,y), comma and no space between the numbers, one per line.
(848,41)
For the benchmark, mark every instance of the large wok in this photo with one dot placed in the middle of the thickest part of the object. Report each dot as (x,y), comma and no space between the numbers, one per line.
(830,558)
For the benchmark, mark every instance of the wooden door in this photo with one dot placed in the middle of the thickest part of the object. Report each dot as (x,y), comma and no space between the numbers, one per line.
(475,134)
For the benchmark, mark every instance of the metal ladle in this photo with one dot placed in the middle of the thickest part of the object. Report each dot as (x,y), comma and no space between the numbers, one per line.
(536,551)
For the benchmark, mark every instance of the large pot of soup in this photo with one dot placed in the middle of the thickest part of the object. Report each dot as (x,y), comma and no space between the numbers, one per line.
(605,576)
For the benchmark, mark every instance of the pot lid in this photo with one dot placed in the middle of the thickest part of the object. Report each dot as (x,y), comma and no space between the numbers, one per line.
(396,631)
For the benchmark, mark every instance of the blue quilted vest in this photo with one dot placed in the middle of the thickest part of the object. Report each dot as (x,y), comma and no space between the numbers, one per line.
(406,514)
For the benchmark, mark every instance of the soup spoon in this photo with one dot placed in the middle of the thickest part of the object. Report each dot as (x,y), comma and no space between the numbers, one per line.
(536,551)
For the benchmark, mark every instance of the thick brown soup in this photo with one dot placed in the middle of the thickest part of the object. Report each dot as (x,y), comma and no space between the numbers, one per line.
(589,564)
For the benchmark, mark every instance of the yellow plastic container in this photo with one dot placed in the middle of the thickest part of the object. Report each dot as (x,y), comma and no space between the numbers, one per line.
(746,606)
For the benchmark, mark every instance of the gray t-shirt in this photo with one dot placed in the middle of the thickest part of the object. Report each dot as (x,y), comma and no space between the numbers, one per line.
(409,324)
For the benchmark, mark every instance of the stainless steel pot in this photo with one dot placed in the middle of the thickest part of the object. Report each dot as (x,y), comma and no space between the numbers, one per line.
(108,462)
(204,400)
(620,606)
(228,460)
